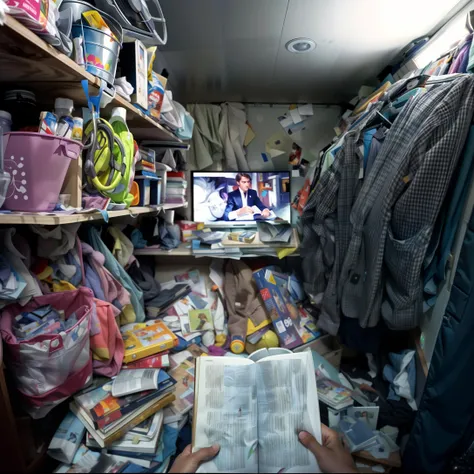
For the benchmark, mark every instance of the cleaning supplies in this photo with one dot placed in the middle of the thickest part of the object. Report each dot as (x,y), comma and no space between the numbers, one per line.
(48,123)
(78,124)
(63,107)
(63,110)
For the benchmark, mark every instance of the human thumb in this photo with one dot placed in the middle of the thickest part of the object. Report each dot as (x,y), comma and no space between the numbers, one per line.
(309,442)
(205,454)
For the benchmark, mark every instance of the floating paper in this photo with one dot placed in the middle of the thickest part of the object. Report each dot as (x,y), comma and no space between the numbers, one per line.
(306,109)
(278,144)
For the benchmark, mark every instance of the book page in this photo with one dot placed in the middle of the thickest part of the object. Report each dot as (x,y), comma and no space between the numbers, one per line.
(287,404)
(226,413)
(133,381)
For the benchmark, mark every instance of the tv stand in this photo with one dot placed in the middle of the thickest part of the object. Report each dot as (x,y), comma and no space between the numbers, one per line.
(184,249)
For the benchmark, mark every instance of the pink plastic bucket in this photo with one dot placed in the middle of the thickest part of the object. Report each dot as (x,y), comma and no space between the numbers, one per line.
(37,164)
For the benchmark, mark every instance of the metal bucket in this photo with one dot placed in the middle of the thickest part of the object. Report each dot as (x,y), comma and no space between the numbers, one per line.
(101,51)
(78,7)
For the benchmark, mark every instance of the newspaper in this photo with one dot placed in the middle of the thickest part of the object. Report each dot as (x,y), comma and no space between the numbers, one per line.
(132,381)
(255,411)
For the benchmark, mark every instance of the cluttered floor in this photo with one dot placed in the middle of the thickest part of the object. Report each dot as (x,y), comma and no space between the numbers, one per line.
(122,391)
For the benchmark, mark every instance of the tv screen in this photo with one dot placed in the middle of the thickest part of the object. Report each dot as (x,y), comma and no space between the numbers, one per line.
(240,198)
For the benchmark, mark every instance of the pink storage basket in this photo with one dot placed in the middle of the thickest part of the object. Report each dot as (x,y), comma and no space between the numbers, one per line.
(38,164)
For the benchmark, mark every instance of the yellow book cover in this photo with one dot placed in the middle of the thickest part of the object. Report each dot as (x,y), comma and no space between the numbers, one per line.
(142,341)
(158,405)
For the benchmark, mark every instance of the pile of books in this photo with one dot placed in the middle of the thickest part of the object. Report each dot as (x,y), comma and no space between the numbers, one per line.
(209,244)
(189,229)
(275,232)
(131,423)
(176,186)
(123,423)
(146,161)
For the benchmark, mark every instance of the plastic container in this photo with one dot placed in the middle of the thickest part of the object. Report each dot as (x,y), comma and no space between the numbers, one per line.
(155,191)
(78,7)
(21,104)
(144,187)
(101,51)
(63,107)
(37,164)
(5,121)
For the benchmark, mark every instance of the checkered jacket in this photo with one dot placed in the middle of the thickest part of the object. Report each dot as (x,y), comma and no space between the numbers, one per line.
(396,209)
(326,225)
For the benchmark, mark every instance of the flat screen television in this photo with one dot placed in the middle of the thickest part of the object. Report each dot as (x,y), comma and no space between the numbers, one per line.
(240,199)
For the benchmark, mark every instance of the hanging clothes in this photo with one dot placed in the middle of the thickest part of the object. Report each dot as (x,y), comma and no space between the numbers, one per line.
(326,224)
(396,210)
(119,273)
(107,346)
(103,284)
(17,281)
(461,60)
(57,241)
(218,136)
(445,414)
(206,146)
(435,270)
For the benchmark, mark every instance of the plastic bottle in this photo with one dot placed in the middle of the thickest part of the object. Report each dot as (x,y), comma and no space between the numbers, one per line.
(63,110)
(63,107)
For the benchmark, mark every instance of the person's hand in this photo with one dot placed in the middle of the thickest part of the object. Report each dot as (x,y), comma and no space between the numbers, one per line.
(245,210)
(188,461)
(265,213)
(331,455)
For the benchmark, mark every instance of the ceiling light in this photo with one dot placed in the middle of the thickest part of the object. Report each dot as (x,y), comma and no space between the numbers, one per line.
(300,45)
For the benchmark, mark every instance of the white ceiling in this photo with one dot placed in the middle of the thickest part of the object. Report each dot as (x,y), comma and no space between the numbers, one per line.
(233,50)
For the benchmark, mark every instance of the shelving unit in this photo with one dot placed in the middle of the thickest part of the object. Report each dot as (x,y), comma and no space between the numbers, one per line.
(184,249)
(26,61)
(56,219)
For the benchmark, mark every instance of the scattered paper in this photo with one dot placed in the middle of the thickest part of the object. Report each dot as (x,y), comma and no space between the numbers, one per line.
(295,116)
(200,320)
(278,144)
(249,136)
(306,109)
(295,173)
(289,126)
(285,121)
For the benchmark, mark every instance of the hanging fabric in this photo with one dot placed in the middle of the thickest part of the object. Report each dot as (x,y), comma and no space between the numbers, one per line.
(114,267)
(444,425)
(396,210)
(326,223)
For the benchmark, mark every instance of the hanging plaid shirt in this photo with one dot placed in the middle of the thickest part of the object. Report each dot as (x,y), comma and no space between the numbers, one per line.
(326,225)
(395,212)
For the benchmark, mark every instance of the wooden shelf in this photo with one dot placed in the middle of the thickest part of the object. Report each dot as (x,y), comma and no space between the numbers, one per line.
(184,250)
(26,61)
(56,219)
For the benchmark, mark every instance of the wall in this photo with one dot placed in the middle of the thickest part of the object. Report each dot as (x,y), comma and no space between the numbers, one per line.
(264,121)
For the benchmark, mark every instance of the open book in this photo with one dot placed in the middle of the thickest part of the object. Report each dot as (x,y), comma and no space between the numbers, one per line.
(254,409)
(256,214)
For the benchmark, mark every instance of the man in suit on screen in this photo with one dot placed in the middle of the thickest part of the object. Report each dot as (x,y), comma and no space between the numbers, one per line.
(241,201)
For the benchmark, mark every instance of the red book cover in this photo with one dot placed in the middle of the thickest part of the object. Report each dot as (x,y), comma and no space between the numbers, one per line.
(157,361)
